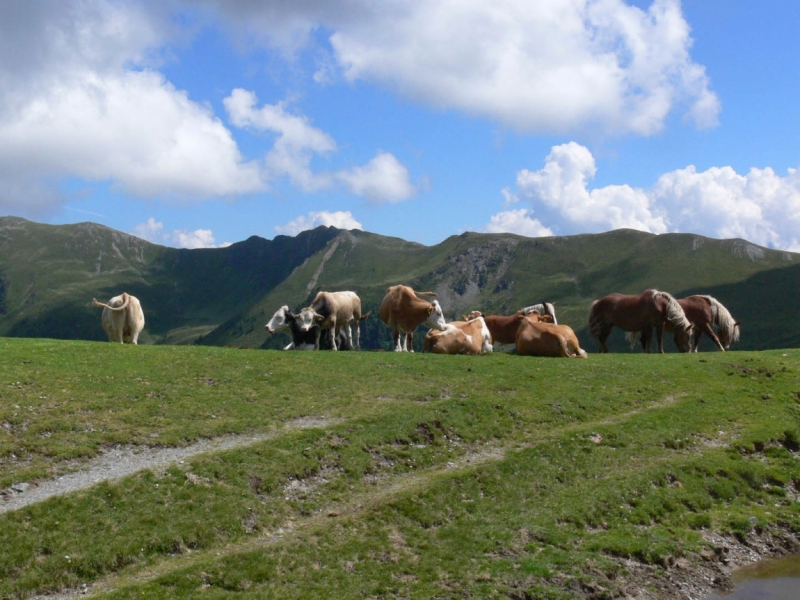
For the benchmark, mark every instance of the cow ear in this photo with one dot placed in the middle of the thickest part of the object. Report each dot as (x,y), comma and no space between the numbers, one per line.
(546,318)
(318,317)
(430,309)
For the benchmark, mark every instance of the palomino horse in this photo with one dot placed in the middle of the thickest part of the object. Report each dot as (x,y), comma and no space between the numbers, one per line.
(705,311)
(543,308)
(640,312)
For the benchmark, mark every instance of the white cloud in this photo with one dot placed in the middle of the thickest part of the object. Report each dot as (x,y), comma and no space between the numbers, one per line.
(74,106)
(384,179)
(562,185)
(559,65)
(518,221)
(339,219)
(761,206)
(153,231)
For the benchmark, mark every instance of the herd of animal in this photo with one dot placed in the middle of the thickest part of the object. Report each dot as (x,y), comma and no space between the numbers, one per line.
(333,321)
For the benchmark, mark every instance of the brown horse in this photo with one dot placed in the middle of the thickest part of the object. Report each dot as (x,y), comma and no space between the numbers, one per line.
(705,311)
(640,313)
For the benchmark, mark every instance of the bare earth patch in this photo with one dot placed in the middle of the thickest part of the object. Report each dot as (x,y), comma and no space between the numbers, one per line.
(122,461)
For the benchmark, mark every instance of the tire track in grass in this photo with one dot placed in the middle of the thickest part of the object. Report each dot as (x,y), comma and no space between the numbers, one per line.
(127,460)
(359,503)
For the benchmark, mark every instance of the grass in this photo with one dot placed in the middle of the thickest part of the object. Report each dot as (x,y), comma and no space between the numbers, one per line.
(429,476)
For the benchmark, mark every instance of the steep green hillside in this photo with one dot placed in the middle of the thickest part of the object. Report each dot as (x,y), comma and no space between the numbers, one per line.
(49,275)
(500,273)
(224,296)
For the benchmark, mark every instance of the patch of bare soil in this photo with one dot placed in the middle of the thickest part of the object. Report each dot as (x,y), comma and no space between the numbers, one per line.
(691,578)
(122,461)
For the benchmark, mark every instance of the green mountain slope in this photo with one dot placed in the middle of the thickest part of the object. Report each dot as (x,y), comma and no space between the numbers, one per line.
(224,296)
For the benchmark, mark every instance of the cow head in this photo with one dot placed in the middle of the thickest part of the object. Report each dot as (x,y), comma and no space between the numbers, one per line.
(308,318)
(473,315)
(435,318)
(279,321)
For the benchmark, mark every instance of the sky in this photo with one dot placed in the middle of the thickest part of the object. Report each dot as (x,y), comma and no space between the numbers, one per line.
(199,123)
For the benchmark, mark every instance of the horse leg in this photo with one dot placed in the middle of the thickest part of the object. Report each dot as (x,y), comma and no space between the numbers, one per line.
(660,338)
(709,331)
(646,336)
(604,333)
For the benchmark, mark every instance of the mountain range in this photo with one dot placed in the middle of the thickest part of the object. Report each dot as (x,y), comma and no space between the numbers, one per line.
(224,296)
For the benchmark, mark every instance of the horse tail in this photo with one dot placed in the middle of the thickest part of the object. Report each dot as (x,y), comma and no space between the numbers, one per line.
(723,319)
(595,321)
(674,313)
(632,337)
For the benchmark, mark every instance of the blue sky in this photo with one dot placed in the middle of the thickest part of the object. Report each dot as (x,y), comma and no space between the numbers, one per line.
(200,123)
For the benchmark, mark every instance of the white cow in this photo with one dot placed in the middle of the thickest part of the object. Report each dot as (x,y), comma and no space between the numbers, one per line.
(123,319)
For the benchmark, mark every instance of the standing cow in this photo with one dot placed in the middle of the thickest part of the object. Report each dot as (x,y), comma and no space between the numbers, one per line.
(334,311)
(403,311)
(285,320)
(123,319)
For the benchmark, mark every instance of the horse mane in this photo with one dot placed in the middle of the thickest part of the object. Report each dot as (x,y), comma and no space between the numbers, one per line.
(674,312)
(723,319)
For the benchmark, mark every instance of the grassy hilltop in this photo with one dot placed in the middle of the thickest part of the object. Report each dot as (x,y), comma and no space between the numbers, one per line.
(384,475)
(224,296)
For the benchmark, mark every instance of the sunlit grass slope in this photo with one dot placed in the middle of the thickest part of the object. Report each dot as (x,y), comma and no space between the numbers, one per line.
(424,476)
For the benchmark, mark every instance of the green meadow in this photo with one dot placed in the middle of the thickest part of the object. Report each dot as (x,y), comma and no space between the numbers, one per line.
(383,475)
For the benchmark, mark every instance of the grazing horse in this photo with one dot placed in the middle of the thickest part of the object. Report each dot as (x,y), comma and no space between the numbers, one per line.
(705,311)
(640,313)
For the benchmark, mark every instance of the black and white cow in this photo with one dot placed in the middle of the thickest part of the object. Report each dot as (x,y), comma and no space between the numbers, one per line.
(284,320)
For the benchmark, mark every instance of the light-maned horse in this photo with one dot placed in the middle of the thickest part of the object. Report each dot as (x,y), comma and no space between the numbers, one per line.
(543,308)
(640,313)
(704,312)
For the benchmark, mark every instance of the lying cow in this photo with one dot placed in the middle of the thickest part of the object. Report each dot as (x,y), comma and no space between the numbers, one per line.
(123,319)
(334,311)
(403,311)
(539,337)
(284,320)
(459,337)
(502,328)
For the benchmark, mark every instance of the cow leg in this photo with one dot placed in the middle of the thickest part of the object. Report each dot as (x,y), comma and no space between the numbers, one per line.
(396,340)
(410,342)
(317,334)
(355,343)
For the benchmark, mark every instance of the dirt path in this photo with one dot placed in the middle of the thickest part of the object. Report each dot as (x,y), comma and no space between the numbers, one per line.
(126,460)
(689,578)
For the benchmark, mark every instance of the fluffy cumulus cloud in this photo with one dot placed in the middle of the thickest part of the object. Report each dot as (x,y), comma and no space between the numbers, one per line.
(153,231)
(339,219)
(519,221)
(382,180)
(73,107)
(559,65)
(86,100)
(760,206)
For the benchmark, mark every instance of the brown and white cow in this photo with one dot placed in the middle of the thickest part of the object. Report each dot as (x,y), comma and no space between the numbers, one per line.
(403,311)
(502,328)
(334,311)
(123,319)
(459,337)
(537,336)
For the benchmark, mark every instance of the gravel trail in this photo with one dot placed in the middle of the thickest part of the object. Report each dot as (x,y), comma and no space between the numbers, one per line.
(125,460)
